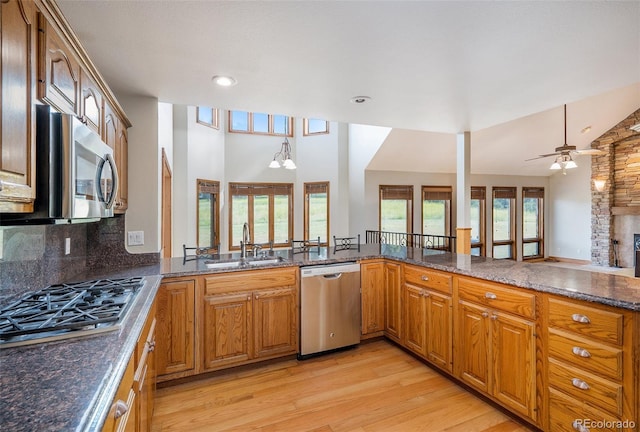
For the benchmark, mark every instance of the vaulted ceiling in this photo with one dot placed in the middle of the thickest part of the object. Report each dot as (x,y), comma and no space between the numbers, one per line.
(501,70)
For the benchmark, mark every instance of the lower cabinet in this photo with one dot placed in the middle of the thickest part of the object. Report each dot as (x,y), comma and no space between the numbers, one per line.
(372,288)
(122,414)
(393,301)
(215,321)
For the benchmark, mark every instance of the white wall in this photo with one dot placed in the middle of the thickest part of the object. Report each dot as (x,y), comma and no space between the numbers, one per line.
(143,213)
(570,212)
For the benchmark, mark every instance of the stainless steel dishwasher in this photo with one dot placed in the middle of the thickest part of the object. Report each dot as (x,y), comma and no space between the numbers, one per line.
(329,307)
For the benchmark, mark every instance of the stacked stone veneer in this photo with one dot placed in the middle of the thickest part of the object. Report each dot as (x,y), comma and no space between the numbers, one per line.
(619,166)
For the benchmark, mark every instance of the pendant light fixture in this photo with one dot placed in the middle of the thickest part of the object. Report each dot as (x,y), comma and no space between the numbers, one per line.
(283,157)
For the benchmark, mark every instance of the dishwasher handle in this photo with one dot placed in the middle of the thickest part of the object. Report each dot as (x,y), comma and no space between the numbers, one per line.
(332,276)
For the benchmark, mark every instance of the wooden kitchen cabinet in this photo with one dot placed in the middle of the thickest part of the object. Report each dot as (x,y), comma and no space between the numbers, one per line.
(249,316)
(90,103)
(18,52)
(227,322)
(495,349)
(372,286)
(146,373)
(58,71)
(590,364)
(122,162)
(415,320)
(122,414)
(393,301)
(175,335)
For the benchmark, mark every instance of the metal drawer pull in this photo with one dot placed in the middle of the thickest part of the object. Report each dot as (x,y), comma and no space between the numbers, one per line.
(581,352)
(578,383)
(579,427)
(121,409)
(490,295)
(424,278)
(580,318)
(485,314)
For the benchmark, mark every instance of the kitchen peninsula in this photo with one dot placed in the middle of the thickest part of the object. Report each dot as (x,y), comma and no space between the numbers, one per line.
(90,368)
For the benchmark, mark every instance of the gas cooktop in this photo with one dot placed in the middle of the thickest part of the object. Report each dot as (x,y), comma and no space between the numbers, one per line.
(67,310)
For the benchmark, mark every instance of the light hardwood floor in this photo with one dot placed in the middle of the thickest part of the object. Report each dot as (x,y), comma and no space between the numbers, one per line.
(374,387)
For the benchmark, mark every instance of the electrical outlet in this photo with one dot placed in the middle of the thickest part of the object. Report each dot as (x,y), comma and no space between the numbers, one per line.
(67,245)
(135,238)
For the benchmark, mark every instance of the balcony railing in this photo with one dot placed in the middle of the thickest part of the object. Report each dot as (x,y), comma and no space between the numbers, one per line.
(425,241)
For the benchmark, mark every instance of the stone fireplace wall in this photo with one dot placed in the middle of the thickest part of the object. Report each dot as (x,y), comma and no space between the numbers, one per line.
(615,210)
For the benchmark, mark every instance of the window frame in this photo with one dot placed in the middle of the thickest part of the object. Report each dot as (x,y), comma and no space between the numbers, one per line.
(305,128)
(215,118)
(211,187)
(307,191)
(250,127)
(447,193)
(512,192)
(406,190)
(263,187)
(480,193)
(534,192)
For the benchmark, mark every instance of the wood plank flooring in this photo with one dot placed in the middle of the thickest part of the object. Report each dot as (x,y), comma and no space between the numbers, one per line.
(374,387)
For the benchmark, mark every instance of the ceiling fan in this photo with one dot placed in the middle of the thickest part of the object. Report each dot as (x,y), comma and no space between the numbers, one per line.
(565,153)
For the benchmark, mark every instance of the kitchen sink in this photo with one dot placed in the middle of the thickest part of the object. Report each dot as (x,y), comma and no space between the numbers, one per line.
(243,263)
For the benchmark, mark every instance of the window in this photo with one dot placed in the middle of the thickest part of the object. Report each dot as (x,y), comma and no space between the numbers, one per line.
(208,215)
(478,220)
(207,116)
(436,210)
(260,123)
(396,208)
(267,208)
(504,217)
(315,127)
(532,222)
(316,211)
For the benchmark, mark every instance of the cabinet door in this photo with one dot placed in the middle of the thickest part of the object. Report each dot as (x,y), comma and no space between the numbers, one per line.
(514,362)
(122,413)
(473,350)
(372,279)
(175,327)
(145,376)
(439,330)
(122,163)
(393,302)
(109,126)
(90,103)
(415,319)
(18,22)
(227,322)
(275,323)
(59,72)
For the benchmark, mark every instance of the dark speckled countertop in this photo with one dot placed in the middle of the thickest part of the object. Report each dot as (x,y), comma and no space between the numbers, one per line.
(69,385)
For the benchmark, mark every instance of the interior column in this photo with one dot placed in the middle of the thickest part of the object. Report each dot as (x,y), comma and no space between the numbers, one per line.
(463,193)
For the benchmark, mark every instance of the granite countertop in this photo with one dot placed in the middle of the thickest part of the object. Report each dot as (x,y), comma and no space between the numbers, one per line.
(69,385)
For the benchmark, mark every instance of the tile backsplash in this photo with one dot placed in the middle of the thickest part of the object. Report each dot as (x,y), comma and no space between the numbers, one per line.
(32,257)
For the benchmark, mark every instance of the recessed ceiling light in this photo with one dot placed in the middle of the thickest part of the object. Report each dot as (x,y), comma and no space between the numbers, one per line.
(585,129)
(224,80)
(360,99)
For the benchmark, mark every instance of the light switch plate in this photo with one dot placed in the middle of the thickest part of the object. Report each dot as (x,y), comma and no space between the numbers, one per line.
(67,245)
(135,238)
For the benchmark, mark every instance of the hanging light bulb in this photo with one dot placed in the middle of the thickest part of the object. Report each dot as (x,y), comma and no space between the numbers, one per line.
(556,164)
(570,163)
(283,157)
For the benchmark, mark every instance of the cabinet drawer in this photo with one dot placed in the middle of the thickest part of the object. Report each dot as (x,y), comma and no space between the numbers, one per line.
(497,296)
(250,280)
(586,354)
(585,386)
(567,415)
(428,278)
(587,321)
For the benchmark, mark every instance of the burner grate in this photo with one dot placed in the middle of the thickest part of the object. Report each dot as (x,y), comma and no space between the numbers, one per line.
(68,307)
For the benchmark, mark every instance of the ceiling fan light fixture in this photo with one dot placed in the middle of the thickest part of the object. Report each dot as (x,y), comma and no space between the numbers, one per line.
(570,164)
(555,166)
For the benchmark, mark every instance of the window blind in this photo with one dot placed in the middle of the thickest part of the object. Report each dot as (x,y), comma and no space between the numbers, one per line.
(504,192)
(397,192)
(436,193)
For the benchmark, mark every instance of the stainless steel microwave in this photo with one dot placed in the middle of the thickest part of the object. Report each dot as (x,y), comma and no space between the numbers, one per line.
(76,175)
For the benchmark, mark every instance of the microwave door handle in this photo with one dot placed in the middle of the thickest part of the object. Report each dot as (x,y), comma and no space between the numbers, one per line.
(114,190)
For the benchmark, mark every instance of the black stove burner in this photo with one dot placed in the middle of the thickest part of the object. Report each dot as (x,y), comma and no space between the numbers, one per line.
(67,308)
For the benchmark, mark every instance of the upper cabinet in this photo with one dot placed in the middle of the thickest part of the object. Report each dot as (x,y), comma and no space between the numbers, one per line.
(42,62)
(17,122)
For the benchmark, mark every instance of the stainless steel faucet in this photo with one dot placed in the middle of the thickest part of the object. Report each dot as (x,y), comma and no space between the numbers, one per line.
(245,240)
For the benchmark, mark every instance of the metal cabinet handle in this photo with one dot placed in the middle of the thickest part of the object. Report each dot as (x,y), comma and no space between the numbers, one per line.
(578,383)
(424,278)
(581,352)
(579,318)
(152,346)
(424,293)
(580,428)
(121,409)
(485,314)
(494,317)
(490,296)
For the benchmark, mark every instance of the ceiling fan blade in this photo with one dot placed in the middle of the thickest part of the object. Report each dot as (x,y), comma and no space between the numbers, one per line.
(542,156)
(588,152)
